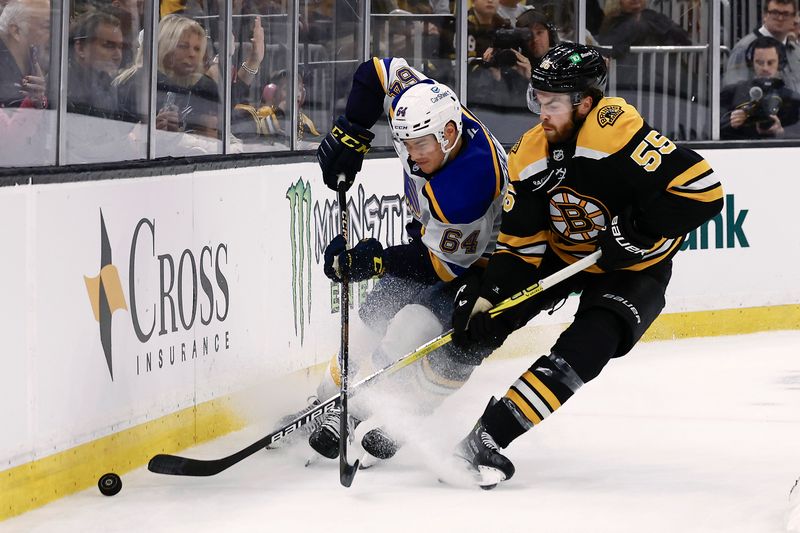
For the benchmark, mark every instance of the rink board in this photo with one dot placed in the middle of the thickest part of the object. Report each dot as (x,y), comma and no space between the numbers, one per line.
(143,303)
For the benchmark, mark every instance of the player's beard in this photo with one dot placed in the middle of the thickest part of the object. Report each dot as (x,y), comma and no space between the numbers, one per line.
(559,134)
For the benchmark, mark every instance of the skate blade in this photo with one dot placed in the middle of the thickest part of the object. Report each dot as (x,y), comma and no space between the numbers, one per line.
(368,461)
(458,472)
(488,477)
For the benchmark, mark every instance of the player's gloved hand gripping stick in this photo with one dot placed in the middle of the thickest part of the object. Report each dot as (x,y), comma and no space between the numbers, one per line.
(185,466)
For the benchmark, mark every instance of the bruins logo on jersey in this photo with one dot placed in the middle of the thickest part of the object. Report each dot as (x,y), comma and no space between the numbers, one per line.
(608,115)
(576,218)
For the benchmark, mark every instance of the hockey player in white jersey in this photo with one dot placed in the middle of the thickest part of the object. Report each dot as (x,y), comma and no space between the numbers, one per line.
(455,179)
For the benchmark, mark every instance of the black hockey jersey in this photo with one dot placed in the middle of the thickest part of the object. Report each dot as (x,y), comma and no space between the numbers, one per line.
(561,196)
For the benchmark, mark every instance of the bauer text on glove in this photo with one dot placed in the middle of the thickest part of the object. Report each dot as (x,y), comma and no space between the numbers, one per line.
(623,243)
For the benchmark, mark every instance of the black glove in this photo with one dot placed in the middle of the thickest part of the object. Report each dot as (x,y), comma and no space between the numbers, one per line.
(342,152)
(362,262)
(622,243)
(479,330)
(332,251)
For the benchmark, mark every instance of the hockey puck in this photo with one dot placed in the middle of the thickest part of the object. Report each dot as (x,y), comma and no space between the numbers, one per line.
(109,484)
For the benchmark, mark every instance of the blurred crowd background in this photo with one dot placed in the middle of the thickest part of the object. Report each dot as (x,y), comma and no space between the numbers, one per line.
(88,81)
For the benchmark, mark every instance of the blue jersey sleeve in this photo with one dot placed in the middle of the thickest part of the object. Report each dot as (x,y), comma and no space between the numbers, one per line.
(365,103)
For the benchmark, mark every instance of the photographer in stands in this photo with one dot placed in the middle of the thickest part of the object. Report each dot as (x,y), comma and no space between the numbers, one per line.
(482,23)
(762,107)
(503,72)
(778,22)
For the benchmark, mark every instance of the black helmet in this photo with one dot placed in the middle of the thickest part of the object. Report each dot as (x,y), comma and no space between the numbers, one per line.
(570,68)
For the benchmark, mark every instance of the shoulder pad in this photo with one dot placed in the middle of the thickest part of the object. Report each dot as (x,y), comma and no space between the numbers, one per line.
(529,155)
(608,128)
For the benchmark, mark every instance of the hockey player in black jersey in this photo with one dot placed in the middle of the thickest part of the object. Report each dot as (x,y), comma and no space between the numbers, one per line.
(592,175)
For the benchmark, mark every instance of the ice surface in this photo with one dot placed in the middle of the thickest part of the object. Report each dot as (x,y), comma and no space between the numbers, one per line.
(699,435)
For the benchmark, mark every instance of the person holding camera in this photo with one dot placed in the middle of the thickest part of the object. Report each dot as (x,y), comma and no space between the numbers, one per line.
(501,77)
(778,22)
(482,23)
(759,108)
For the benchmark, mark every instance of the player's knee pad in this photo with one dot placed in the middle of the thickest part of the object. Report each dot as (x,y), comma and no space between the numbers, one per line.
(593,338)
(429,381)
(331,379)
(436,377)
(410,328)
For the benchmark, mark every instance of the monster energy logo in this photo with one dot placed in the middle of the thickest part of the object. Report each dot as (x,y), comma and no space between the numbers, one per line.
(299,196)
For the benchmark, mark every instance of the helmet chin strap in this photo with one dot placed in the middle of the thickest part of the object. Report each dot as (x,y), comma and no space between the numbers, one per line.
(443,144)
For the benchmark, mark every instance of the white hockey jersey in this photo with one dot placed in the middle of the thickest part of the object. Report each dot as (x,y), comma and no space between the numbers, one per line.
(460,205)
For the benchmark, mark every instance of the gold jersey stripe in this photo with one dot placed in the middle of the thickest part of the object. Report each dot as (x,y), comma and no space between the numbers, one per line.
(711,195)
(520,242)
(689,174)
(542,389)
(532,260)
(532,148)
(378,64)
(440,268)
(523,406)
(434,203)
(336,374)
(434,377)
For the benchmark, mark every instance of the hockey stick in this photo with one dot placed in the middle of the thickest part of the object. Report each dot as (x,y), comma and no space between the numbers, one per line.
(347,471)
(185,466)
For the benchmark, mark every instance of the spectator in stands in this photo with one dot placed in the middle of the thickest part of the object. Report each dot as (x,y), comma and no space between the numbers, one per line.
(511,9)
(187,99)
(759,108)
(562,15)
(272,118)
(501,77)
(778,22)
(482,23)
(543,35)
(24,45)
(95,57)
(247,72)
(633,24)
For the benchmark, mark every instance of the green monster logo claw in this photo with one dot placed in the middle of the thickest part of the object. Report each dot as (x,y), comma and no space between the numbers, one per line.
(300,206)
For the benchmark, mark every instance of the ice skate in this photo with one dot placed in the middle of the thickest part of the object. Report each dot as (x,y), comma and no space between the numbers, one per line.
(325,438)
(304,430)
(482,454)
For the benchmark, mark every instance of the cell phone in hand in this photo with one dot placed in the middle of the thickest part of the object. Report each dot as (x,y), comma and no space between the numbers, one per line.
(169,102)
(33,59)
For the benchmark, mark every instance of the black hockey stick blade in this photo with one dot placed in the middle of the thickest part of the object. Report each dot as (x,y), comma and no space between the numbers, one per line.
(347,471)
(184,466)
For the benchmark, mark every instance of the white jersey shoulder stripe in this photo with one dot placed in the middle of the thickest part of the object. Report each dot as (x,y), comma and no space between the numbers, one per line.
(533,169)
(582,151)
